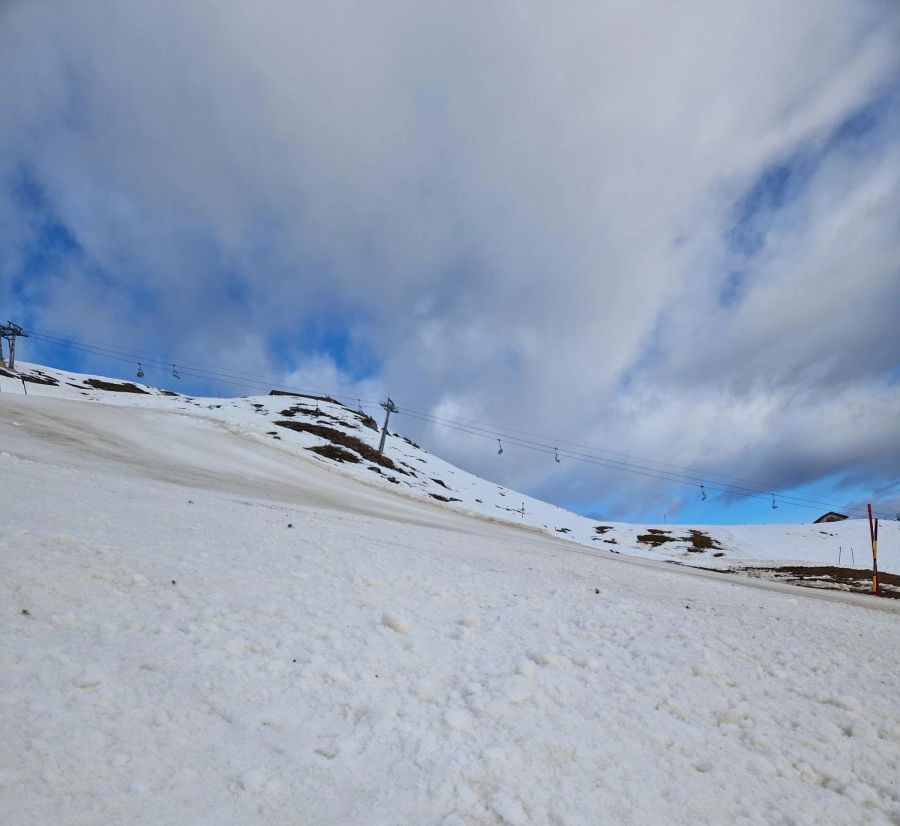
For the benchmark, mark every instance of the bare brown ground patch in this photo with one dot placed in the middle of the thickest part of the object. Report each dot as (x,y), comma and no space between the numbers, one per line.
(336,453)
(338,437)
(36,377)
(700,541)
(441,498)
(655,537)
(115,387)
(830,577)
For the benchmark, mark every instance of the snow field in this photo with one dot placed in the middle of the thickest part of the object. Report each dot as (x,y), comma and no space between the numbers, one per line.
(186,657)
(426,476)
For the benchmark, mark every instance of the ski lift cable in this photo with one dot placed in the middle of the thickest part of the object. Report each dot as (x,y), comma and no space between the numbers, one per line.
(147,358)
(681,477)
(235,378)
(602,461)
(647,472)
(656,472)
(437,420)
(700,472)
(247,381)
(693,473)
(225,377)
(207,371)
(166,367)
(651,475)
(615,466)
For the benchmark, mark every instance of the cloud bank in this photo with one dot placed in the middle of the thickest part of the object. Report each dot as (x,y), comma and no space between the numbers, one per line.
(665,229)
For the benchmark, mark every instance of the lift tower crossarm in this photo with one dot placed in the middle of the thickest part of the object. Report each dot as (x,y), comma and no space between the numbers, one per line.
(10,332)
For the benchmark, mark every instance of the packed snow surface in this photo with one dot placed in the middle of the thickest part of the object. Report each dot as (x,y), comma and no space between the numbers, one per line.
(199,625)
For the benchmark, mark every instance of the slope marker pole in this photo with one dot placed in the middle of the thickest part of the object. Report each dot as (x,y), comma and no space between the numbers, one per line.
(873,535)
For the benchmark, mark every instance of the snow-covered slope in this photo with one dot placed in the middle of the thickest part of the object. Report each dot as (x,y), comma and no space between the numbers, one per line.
(201,624)
(326,426)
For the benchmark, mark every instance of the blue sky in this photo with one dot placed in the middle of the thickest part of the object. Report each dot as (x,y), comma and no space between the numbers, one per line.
(690,257)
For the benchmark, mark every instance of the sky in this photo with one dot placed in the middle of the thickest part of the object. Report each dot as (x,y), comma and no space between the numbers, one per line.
(666,230)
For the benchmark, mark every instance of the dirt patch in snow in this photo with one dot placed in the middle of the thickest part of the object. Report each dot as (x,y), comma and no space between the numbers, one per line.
(306,396)
(336,453)
(115,387)
(338,437)
(655,537)
(37,377)
(444,498)
(316,413)
(699,540)
(831,577)
(367,421)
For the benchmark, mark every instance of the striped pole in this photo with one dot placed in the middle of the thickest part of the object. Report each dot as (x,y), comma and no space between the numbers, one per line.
(877,584)
(873,534)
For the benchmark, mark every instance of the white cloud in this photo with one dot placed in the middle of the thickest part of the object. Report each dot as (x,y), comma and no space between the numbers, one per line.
(524,211)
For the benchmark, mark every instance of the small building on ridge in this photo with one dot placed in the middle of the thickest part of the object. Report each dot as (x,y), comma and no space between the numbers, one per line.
(831,516)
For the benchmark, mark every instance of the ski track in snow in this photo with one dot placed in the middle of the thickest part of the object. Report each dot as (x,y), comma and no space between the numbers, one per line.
(187,657)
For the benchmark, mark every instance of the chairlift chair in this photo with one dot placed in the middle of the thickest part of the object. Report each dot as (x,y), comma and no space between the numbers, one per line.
(774,506)
(500,447)
(140,371)
(175,372)
(702,494)
(556,454)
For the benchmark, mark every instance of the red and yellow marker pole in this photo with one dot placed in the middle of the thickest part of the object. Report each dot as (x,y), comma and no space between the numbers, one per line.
(873,534)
